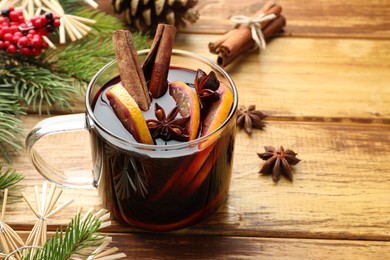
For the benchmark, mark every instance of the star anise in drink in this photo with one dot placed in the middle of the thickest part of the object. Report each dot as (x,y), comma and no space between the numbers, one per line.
(250,118)
(278,162)
(168,127)
(206,86)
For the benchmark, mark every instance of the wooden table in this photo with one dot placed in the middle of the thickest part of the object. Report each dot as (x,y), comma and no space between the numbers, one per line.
(325,85)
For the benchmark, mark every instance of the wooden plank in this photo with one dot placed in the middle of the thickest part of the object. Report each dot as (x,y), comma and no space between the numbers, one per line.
(351,18)
(309,79)
(173,246)
(340,191)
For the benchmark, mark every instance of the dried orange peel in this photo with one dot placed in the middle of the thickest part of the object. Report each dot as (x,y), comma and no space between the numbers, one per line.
(128,112)
(218,111)
(188,104)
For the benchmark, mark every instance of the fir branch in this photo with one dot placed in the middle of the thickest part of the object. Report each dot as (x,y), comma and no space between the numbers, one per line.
(9,177)
(79,235)
(105,24)
(38,86)
(11,134)
(9,101)
(82,59)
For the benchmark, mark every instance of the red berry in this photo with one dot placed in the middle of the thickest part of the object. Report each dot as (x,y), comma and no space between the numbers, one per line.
(15,39)
(1,44)
(36,51)
(5,29)
(8,36)
(23,41)
(32,32)
(11,49)
(44,20)
(43,32)
(36,42)
(2,20)
(11,8)
(45,45)
(18,33)
(14,16)
(6,43)
(25,51)
(56,23)
(39,22)
(14,28)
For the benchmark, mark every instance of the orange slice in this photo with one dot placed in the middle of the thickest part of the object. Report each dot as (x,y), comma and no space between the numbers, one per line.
(128,112)
(188,104)
(218,111)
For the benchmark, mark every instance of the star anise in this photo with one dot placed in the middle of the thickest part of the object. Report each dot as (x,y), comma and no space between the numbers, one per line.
(278,162)
(250,118)
(168,127)
(206,86)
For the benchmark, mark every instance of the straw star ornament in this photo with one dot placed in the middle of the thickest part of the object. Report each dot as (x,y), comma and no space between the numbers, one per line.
(9,239)
(71,25)
(78,240)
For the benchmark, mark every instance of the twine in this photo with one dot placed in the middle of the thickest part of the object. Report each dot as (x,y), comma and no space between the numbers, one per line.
(255,26)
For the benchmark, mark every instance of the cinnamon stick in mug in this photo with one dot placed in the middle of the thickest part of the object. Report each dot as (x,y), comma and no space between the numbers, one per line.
(130,70)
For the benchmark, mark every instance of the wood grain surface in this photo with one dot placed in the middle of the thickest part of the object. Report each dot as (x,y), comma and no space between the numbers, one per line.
(305,18)
(325,88)
(178,246)
(340,189)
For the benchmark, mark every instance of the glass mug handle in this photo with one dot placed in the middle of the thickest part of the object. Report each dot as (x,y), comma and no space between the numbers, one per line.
(56,125)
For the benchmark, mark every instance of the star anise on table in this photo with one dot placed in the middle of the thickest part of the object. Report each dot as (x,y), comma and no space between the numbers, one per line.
(278,162)
(168,127)
(250,118)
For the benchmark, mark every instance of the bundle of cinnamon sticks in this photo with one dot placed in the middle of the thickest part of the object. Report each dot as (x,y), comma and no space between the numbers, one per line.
(239,40)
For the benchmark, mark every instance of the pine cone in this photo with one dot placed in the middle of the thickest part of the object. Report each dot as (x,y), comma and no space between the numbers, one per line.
(145,15)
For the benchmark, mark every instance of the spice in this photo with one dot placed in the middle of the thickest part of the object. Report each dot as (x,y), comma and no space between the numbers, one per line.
(250,34)
(168,127)
(250,118)
(156,65)
(278,162)
(206,86)
(130,71)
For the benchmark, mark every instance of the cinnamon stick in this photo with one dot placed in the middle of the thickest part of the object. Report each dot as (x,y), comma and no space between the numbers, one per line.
(156,65)
(235,42)
(130,70)
(268,32)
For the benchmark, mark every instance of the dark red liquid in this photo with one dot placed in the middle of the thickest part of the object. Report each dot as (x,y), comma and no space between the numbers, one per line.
(160,190)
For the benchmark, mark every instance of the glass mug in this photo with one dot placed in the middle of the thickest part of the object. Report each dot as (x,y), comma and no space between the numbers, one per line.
(153,187)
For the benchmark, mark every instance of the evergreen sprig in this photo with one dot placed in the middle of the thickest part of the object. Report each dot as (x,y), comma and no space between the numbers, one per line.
(54,78)
(11,133)
(79,235)
(8,179)
(37,86)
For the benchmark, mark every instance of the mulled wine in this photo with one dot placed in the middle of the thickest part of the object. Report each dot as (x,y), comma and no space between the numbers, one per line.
(166,186)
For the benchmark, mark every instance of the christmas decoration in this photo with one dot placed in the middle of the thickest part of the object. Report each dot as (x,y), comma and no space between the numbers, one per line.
(25,37)
(146,15)
(79,238)
(9,239)
(72,25)
(53,79)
